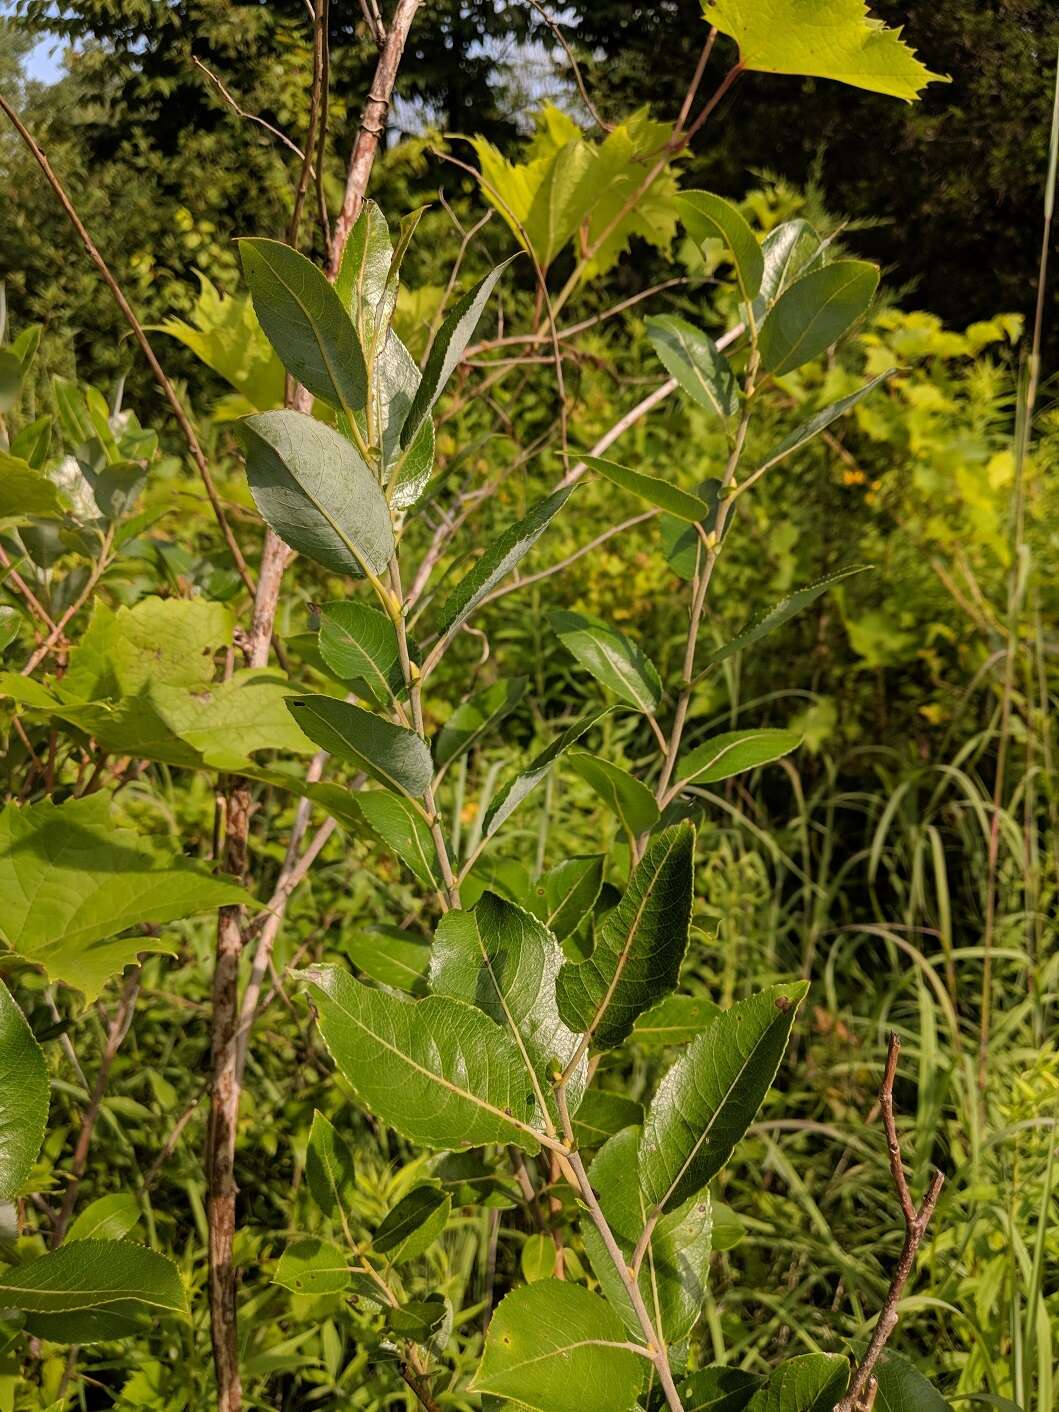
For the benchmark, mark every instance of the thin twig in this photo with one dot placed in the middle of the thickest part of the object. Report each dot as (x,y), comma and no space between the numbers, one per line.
(242,112)
(578,78)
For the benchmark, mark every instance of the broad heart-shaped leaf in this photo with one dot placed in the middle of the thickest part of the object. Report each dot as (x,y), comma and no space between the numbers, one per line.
(816,424)
(696,362)
(677,1019)
(108,1218)
(659,493)
(25,491)
(602,1114)
(438,1071)
(472,718)
(676,1264)
(24,1096)
(568,892)
(709,217)
(359,643)
(414,1224)
(520,785)
(814,312)
(94,1275)
(556,1347)
(306,323)
(70,879)
(731,753)
(447,349)
(902,1388)
(402,828)
(812,1382)
(329,1171)
(833,39)
(162,641)
(314,489)
(504,961)
(781,613)
(392,957)
(717,1389)
(396,757)
(709,1097)
(497,562)
(621,792)
(313,1266)
(614,661)
(640,947)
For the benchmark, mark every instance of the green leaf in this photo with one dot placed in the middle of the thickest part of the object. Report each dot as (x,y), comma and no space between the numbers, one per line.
(396,757)
(786,251)
(226,723)
(438,1071)
(24,491)
(733,752)
(108,1218)
(511,794)
(305,322)
(781,613)
(10,379)
(709,1097)
(447,349)
(159,641)
(709,217)
(902,1388)
(812,1382)
(567,893)
(361,277)
(538,1258)
(95,1274)
(389,955)
(834,39)
(31,442)
(615,661)
(11,621)
(315,490)
(414,1224)
(497,562)
(622,793)
(314,1267)
(472,718)
(718,1389)
(677,1019)
(555,1347)
(676,1263)
(504,961)
(696,362)
(814,313)
(70,879)
(403,829)
(660,493)
(358,643)
(24,1097)
(640,947)
(424,1321)
(330,1173)
(803,434)
(395,381)
(602,1114)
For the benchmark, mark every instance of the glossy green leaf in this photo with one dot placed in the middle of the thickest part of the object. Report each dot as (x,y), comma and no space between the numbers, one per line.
(903,1388)
(24,1097)
(330,1173)
(781,613)
(25,491)
(412,1226)
(447,349)
(11,622)
(95,1274)
(718,1389)
(423,1321)
(395,382)
(361,277)
(313,1266)
(786,251)
(814,312)
(511,794)
(108,1218)
(507,550)
(358,643)
(306,323)
(677,1019)
(659,493)
(402,828)
(640,946)
(812,1382)
(803,434)
(438,1071)
(390,956)
(556,1347)
(316,492)
(833,39)
(622,793)
(709,1097)
(537,1259)
(709,217)
(733,752)
(728,1228)
(612,658)
(602,1114)
(70,880)
(567,893)
(393,755)
(696,362)
(473,718)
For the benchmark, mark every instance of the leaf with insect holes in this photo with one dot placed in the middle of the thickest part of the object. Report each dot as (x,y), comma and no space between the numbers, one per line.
(709,217)
(659,493)
(412,1226)
(731,753)
(781,613)
(555,1347)
(708,1099)
(396,757)
(640,947)
(612,658)
(24,1097)
(306,323)
(692,357)
(313,1266)
(438,1071)
(511,794)
(814,312)
(317,493)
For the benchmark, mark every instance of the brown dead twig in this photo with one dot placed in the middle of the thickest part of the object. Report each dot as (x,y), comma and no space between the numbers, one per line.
(862,1390)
